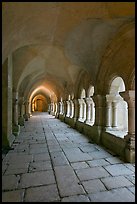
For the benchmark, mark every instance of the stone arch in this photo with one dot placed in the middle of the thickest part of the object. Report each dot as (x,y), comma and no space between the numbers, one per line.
(116,108)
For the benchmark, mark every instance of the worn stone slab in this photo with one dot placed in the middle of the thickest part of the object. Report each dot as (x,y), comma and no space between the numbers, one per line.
(37,179)
(130,166)
(59,159)
(115,195)
(67,181)
(131,178)
(9,182)
(118,169)
(16,171)
(97,162)
(38,150)
(88,149)
(92,173)
(113,160)
(93,186)
(79,165)
(99,154)
(75,155)
(13,196)
(38,145)
(42,194)
(54,148)
(77,198)
(41,157)
(19,158)
(132,189)
(116,182)
(40,166)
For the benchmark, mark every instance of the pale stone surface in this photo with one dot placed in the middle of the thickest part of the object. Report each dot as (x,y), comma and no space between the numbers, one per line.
(132,189)
(13,196)
(40,166)
(75,181)
(59,159)
(116,182)
(114,160)
(9,182)
(77,198)
(41,157)
(42,194)
(67,181)
(79,165)
(91,173)
(97,162)
(75,155)
(118,169)
(37,179)
(93,186)
(116,195)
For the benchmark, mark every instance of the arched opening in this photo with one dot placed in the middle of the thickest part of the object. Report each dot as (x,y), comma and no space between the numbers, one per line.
(117,109)
(39,103)
(90,115)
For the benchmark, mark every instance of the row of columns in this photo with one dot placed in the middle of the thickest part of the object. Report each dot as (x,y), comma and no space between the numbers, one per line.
(104,114)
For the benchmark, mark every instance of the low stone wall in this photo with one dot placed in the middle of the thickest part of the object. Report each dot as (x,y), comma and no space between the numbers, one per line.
(114,143)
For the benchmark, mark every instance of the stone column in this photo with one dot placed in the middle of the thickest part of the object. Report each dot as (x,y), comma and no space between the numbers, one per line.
(15,104)
(72,109)
(88,110)
(114,118)
(15,127)
(129,97)
(76,110)
(80,109)
(65,108)
(21,118)
(7,84)
(68,108)
(99,109)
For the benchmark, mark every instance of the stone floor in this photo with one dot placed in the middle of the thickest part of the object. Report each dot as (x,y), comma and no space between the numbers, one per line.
(51,162)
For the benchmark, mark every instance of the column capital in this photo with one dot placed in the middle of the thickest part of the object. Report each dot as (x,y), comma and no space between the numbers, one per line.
(129,97)
(89,100)
(81,100)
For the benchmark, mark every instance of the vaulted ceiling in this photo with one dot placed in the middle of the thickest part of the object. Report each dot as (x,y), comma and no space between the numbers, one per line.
(51,42)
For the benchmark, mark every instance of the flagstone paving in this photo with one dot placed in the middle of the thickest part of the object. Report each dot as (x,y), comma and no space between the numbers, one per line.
(52,162)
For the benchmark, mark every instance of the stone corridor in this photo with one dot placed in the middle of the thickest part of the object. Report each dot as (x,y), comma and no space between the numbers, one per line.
(51,162)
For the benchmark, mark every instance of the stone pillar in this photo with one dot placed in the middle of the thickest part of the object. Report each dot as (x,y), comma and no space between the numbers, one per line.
(68,108)
(88,110)
(7,83)
(99,109)
(15,104)
(108,113)
(129,97)
(114,118)
(76,110)
(21,118)
(16,127)
(65,108)
(72,109)
(80,109)
(25,115)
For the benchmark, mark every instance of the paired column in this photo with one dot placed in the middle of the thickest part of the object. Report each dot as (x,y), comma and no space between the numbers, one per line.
(89,111)
(80,109)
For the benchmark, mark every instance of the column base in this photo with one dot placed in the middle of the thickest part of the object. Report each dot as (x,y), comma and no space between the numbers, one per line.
(25,117)
(21,121)
(16,130)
